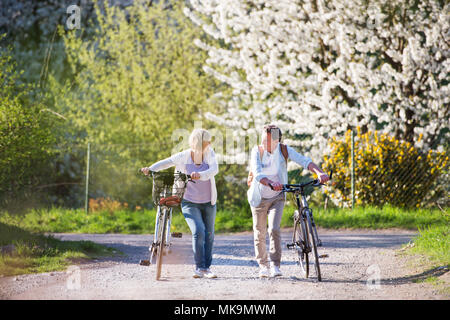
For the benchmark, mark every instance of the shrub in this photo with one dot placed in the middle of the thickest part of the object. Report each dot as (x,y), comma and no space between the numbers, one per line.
(386,170)
(106,204)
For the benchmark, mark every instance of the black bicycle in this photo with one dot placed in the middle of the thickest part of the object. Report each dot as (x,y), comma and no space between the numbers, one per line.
(305,238)
(167,192)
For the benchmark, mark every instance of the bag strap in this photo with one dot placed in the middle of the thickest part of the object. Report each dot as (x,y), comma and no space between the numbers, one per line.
(261,152)
(284,151)
(283,148)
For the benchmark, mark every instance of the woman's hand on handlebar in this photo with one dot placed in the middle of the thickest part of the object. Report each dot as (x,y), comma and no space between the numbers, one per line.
(273,185)
(145,171)
(195,175)
(276,186)
(323,177)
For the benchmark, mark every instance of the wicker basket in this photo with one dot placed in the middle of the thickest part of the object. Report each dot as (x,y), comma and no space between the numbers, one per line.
(168,188)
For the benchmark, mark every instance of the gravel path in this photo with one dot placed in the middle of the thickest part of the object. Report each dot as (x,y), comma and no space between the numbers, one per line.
(354,257)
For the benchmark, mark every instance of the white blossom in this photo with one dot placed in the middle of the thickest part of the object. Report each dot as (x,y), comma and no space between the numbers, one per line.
(317,68)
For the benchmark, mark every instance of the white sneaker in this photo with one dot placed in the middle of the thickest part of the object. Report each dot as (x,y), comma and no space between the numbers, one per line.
(197,273)
(275,271)
(208,274)
(263,272)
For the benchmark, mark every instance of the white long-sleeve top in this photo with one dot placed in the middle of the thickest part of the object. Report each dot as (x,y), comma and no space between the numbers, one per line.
(181,159)
(260,171)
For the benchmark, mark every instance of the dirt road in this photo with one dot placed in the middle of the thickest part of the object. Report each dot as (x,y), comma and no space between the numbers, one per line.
(361,264)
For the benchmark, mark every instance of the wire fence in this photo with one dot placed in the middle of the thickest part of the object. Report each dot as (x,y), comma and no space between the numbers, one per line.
(388,171)
(87,176)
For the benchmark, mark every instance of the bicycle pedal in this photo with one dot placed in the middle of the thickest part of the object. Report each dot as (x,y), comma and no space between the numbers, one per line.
(323,256)
(177,234)
(144,263)
(290,245)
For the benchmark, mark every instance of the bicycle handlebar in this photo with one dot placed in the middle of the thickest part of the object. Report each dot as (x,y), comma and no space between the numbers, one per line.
(159,172)
(296,187)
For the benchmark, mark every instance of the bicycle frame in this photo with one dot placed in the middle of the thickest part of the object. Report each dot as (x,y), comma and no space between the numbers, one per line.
(302,206)
(307,233)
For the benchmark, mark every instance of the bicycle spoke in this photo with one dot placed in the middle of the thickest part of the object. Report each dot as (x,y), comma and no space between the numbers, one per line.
(314,248)
(302,257)
(161,242)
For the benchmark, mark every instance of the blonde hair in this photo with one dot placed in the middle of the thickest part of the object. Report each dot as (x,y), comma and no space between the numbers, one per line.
(196,139)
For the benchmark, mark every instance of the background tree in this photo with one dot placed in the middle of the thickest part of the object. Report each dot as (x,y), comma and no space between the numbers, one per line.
(318,68)
(30,27)
(140,72)
(25,136)
(136,79)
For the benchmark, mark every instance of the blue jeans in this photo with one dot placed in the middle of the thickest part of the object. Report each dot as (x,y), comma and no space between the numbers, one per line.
(200,218)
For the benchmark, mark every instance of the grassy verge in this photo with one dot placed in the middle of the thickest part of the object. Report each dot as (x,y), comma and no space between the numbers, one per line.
(429,252)
(375,218)
(22,251)
(143,221)
(434,243)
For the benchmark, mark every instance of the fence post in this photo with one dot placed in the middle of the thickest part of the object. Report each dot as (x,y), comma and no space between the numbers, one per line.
(353,170)
(86,200)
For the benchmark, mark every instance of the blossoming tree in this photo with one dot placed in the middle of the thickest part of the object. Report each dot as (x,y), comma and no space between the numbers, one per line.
(317,68)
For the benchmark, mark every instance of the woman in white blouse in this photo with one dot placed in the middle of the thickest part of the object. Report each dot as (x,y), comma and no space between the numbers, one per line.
(268,165)
(199,201)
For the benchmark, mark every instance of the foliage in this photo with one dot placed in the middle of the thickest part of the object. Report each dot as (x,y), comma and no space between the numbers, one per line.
(30,28)
(231,183)
(386,170)
(106,204)
(139,71)
(25,132)
(317,68)
(125,82)
(135,79)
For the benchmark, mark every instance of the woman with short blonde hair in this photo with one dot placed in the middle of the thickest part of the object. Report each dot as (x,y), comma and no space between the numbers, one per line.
(199,201)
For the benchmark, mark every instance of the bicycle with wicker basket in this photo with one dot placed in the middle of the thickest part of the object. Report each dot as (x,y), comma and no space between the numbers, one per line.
(167,192)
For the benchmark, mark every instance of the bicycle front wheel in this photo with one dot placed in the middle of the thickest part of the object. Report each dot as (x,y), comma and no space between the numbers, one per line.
(299,241)
(312,240)
(161,241)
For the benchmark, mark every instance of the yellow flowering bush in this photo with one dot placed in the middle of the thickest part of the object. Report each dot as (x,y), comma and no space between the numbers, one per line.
(106,204)
(386,170)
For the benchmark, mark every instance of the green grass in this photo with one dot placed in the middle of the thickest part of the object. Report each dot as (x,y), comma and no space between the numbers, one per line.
(430,253)
(143,221)
(373,218)
(75,220)
(120,221)
(434,243)
(33,253)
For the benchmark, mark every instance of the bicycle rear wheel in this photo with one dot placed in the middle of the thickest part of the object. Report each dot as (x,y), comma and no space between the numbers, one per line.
(161,241)
(302,256)
(313,247)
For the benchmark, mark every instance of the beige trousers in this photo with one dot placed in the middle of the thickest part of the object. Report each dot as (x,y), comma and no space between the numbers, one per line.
(268,210)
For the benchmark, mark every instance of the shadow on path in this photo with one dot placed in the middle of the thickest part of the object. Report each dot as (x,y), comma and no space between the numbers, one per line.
(234,250)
